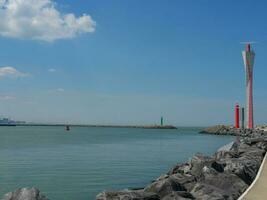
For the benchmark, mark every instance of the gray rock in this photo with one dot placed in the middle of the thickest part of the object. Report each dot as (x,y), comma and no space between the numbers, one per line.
(198,162)
(25,194)
(180,168)
(163,187)
(181,195)
(220,186)
(186,180)
(204,191)
(228,147)
(230,130)
(127,195)
(245,167)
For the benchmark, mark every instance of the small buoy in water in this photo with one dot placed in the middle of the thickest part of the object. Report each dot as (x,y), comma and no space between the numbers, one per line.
(67,128)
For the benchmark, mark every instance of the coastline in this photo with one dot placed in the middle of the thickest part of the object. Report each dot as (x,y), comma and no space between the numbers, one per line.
(226,174)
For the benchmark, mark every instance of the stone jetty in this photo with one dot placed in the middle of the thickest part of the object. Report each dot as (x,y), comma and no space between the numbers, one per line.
(230,130)
(225,175)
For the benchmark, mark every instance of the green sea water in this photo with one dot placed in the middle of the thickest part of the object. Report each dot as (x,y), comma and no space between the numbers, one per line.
(79,164)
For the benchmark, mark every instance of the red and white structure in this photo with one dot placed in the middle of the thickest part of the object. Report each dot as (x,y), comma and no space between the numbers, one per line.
(248,57)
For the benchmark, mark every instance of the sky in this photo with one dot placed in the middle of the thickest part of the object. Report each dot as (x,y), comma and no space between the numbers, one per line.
(130,62)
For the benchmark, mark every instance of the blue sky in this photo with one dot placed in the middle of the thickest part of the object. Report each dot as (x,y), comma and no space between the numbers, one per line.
(130,62)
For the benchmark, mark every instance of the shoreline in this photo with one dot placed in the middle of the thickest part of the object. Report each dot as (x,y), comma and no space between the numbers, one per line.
(227,174)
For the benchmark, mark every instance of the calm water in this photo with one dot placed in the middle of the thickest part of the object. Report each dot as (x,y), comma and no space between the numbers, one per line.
(81,163)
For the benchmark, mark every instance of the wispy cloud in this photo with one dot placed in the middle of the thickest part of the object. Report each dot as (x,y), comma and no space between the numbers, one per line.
(52,70)
(57,90)
(11,72)
(40,20)
(7,98)
(60,90)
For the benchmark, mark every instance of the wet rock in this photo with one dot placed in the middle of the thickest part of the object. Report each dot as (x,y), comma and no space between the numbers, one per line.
(25,194)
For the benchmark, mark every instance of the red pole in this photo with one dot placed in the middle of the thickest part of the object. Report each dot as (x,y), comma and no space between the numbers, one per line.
(237,116)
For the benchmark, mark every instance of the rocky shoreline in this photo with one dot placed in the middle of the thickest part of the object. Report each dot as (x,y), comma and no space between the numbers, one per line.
(230,130)
(224,175)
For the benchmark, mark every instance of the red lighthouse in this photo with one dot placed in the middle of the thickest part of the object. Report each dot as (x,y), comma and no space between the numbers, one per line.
(236,116)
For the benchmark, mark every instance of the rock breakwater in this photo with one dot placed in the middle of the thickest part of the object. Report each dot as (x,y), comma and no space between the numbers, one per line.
(230,130)
(225,175)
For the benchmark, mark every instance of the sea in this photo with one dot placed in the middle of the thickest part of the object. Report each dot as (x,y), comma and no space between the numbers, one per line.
(80,163)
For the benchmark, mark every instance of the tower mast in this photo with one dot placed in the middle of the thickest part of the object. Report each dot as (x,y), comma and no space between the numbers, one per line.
(248,57)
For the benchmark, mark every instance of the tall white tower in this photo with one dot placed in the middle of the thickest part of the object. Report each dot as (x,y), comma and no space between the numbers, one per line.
(248,57)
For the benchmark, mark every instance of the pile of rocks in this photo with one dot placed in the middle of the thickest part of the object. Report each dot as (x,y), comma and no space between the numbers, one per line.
(25,194)
(225,175)
(230,130)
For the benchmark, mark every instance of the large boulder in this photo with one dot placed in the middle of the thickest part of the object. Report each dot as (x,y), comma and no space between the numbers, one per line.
(246,166)
(164,186)
(186,181)
(127,195)
(198,162)
(183,168)
(25,194)
(204,191)
(219,186)
(168,184)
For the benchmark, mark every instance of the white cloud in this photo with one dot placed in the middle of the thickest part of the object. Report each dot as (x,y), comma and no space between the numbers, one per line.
(11,72)
(52,70)
(7,98)
(40,20)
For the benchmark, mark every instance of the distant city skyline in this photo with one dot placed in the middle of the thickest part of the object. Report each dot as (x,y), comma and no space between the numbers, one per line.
(130,62)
